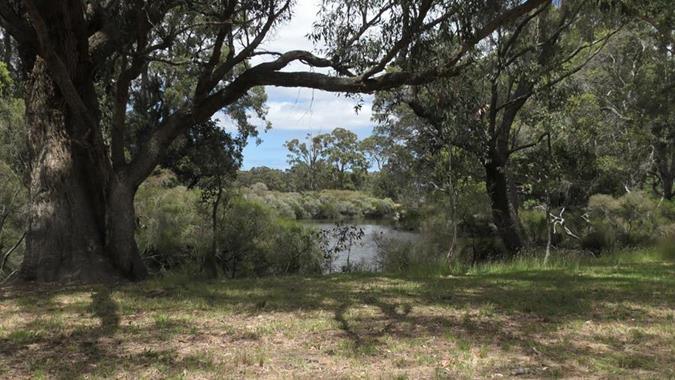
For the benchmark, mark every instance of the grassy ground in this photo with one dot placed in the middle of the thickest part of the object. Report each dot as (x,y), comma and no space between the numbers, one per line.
(603,319)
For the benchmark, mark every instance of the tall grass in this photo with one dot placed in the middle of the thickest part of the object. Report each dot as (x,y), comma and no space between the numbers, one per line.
(575,261)
(414,263)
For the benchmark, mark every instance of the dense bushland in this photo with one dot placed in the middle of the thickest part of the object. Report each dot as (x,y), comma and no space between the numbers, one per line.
(605,226)
(324,204)
(252,239)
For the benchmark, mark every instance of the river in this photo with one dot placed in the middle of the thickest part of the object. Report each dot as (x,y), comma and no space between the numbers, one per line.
(363,253)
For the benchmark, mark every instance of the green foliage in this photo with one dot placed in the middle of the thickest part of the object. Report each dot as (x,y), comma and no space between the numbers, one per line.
(329,160)
(325,204)
(175,233)
(13,173)
(13,223)
(396,257)
(5,80)
(341,238)
(535,225)
(601,239)
(634,219)
(257,243)
(629,85)
(273,179)
(14,150)
(173,228)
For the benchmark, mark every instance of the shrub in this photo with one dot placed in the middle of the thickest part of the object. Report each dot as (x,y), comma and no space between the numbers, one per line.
(327,209)
(667,209)
(535,225)
(259,188)
(13,218)
(410,219)
(253,238)
(394,256)
(256,242)
(480,241)
(326,204)
(172,227)
(296,250)
(631,220)
(602,239)
(311,206)
(667,232)
(381,208)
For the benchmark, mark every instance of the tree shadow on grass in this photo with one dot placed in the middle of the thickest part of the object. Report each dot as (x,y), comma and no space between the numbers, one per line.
(370,310)
(106,310)
(48,337)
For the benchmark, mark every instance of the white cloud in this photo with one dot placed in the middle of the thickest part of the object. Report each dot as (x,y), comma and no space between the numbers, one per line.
(324,113)
(303,108)
(307,109)
(291,35)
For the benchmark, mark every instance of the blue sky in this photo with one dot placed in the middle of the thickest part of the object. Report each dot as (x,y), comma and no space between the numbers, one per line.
(295,112)
(271,152)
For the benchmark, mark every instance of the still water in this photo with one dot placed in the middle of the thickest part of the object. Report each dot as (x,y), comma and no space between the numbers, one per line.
(364,252)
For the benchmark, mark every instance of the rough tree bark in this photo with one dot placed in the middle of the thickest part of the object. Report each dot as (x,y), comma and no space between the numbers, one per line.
(81,218)
(81,215)
(120,227)
(503,212)
(65,236)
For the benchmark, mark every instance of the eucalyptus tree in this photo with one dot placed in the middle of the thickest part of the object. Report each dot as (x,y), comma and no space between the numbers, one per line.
(209,157)
(632,83)
(477,111)
(374,148)
(308,158)
(349,164)
(88,63)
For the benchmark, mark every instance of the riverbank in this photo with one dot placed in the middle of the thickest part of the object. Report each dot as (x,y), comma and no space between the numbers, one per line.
(610,317)
(322,205)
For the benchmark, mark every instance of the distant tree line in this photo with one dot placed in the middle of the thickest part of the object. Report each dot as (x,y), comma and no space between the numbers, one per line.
(336,160)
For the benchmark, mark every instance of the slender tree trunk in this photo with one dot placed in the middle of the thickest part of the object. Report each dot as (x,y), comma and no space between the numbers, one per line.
(549,229)
(668,192)
(210,265)
(7,50)
(453,212)
(665,165)
(503,212)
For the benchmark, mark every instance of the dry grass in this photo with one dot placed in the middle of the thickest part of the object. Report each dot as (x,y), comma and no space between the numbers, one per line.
(596,321)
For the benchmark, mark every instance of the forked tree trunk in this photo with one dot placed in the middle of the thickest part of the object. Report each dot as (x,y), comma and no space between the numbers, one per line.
(503,212)
(81,217)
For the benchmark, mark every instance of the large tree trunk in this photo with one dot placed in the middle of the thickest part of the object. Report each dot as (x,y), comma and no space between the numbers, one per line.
(65,234)
(81,216)
(503,212)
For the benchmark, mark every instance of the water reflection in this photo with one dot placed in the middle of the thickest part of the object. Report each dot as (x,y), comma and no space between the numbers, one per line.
(363,253)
